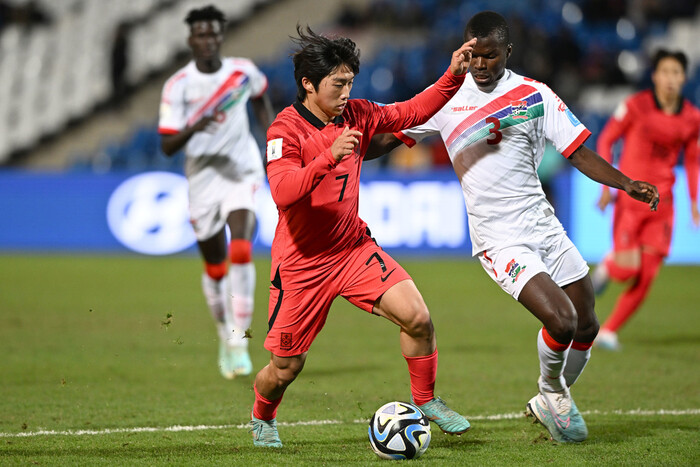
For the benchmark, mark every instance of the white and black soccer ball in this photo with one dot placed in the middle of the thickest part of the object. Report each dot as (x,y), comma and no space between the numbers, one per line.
(399,430)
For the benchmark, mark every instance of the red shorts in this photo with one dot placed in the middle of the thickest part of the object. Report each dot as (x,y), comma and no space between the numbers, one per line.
(635,227)
(295,317)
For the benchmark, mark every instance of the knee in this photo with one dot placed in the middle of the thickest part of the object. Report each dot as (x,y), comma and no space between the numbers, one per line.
(588,325)
(285,374)
(562,324)
(419,323)
(588,331)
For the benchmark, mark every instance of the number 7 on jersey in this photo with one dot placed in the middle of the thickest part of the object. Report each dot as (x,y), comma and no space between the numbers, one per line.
(345,183)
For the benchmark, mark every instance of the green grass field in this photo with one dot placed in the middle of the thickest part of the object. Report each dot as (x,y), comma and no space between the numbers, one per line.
(94,372)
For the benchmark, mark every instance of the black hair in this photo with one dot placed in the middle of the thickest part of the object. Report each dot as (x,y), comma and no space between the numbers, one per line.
(663,53)
(318,56)
(207,13)
(485,23)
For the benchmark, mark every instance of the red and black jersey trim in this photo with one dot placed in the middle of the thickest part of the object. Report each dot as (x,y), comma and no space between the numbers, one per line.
(313,119)
(277,283)
(679,104)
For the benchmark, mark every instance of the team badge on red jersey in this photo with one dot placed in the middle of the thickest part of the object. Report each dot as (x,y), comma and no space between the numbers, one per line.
(286,340)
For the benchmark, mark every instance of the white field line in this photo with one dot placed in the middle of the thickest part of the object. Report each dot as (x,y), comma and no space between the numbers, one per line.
(177,428)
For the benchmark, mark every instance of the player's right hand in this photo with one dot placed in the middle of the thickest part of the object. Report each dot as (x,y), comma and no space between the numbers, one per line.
(206,123)
(345,144)
(462,57)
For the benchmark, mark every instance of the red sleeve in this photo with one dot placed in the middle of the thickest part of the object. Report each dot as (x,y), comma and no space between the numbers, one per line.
(575,144)
(289,180)
(421,107)
(616,127)
(692,166)
(407,140)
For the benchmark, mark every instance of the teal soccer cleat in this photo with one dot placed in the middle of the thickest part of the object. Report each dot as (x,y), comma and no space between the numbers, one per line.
(265,433)
(224,362)
(607,340)
(444,417)
(558,413)
(234,361)
(240,361)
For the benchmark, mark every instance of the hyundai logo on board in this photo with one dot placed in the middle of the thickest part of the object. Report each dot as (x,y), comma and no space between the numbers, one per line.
(148,213)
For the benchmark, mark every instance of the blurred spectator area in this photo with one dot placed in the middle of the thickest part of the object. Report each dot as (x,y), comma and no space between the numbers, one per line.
(593,53)
(62,59)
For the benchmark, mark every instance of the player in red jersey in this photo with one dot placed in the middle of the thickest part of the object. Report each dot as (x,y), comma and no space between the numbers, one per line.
(655,125)
(322,249)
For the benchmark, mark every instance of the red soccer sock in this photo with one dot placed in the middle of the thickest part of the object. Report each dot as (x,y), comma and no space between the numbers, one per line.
(216,271)
(631,299)
(264,409)
(240,251)
(619,273)
(423,371)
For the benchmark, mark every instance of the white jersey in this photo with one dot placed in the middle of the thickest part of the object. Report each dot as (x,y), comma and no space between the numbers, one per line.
(227,149)
(496,142)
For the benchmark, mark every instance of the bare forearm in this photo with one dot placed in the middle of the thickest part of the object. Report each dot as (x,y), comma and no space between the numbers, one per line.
(598,169)
(170,144)
(262,109)
(381,144)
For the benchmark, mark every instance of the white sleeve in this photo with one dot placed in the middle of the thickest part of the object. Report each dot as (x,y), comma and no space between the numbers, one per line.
(561,126)
(258,81)
(172,117)
(413,135)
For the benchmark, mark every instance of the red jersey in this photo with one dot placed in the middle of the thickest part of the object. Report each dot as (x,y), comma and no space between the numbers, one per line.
(317,197)
(652,142)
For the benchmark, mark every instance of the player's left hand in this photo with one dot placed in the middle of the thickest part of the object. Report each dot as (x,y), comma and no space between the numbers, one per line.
(605,198)
(644,192)
(695,215)
(462,57)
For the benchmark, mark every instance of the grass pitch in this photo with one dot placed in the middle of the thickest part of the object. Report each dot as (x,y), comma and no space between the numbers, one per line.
(112,361)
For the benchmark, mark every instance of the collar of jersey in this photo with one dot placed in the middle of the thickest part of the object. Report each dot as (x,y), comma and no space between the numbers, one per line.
(678,108)
(313,119)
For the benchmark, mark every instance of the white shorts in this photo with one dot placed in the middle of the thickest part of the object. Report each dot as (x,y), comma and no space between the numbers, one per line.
(513,266)
(208,218)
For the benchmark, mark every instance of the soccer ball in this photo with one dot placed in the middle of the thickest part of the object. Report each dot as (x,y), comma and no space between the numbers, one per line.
(399,430)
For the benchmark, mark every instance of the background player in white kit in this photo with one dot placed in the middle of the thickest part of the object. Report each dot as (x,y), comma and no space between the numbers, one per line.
(203,109)
(495,129)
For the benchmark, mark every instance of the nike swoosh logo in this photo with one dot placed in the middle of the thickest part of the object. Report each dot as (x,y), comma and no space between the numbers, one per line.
(561,423)
(384,278)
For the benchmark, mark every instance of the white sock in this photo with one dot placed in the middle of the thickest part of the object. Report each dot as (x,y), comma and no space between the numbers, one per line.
(241,280)
(575,363)
(552,364)
(215,301)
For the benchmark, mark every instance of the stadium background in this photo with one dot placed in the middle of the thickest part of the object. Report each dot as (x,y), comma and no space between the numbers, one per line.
(81,81)
(108,355)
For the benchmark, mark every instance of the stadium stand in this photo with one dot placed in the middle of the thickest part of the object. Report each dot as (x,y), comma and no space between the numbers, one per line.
(58,71)
(591,52)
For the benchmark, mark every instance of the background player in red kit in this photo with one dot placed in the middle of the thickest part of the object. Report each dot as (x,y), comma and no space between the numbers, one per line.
(322,249)
(655,125)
